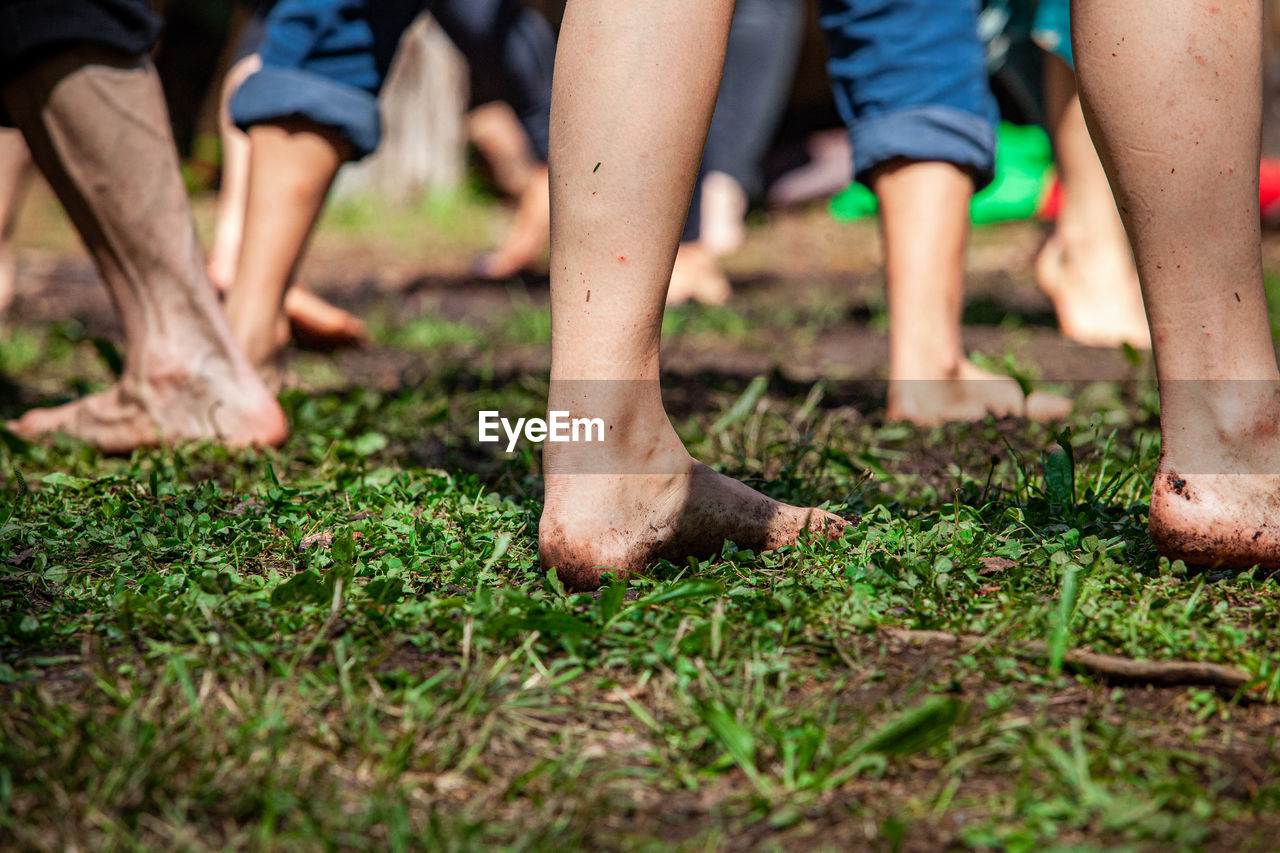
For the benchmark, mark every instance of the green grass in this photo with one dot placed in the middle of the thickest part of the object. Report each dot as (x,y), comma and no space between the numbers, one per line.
(444,222)
(349,643)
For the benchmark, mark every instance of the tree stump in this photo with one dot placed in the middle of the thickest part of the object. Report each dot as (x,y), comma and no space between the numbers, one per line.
(423,137)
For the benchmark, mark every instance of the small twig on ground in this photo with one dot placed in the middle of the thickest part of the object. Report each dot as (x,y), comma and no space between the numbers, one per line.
(1111,667)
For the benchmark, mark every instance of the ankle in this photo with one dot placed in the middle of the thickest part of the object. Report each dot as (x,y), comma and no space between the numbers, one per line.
(1246,412)
(261,336)
(1089,231)
(630,445)
(1219,426)
(922,365)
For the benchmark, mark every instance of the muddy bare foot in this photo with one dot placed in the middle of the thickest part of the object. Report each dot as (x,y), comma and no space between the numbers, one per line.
(969,396)
(597,523)
(697,277)
(1229,521)
(166,409)
(1095,292)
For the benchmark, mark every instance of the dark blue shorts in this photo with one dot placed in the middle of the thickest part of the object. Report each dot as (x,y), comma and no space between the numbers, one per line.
(910,81)
(33,29)
(326,60)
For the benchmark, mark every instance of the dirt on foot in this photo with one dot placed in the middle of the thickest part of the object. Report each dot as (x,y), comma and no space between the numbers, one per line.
(597,523)
(1216,521)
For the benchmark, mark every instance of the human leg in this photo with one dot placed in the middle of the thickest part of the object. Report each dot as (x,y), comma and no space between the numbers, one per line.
(696,275)
(309,316)
(1172,93)
(1086,265)
(924,217)
(309,108)
(233,191)
(292,165)
(504,143)
(96,123)
(764,44)
(510,49)
(635,86)
(496,133)
(910,83)
(530,230)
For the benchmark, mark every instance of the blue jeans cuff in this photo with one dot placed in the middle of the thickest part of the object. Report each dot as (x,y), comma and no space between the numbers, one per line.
(273,93)
(925,133)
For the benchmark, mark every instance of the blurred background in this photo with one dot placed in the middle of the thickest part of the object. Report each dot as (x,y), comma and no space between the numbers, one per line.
(398,242)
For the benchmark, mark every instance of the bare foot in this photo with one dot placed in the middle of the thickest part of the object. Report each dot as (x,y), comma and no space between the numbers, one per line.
(312,320)
(1229,521)
(174,406)
(529,235)
(597,523)
(970,395)
(320,324)
(829,170)
(1095,292)
(697,278)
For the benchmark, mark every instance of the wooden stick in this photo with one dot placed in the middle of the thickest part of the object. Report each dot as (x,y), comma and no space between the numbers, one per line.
(1110,667)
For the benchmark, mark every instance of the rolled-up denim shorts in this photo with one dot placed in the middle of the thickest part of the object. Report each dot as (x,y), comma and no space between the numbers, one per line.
(910,81)
(326,61)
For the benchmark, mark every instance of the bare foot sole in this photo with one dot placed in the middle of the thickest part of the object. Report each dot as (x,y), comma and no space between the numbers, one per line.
(118,421)
(1095,295)
(1226,521)
(971,396)
(600,523)
(696,277)
(318,324)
